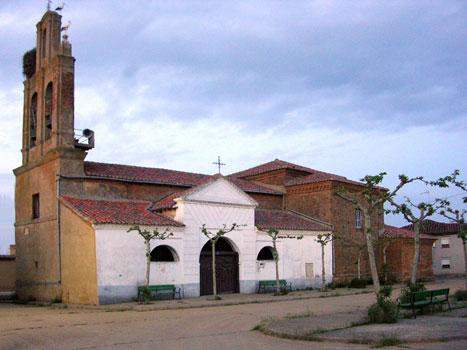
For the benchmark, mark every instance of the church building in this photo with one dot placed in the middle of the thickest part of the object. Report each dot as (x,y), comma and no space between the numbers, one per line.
(72,215)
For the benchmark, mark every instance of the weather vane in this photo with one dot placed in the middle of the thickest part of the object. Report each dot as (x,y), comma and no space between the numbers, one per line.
(218,163)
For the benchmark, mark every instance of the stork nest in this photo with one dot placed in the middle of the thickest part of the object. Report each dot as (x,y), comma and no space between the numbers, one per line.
(29,63)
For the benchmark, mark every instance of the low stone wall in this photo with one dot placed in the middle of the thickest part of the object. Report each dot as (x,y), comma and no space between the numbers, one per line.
(7,273)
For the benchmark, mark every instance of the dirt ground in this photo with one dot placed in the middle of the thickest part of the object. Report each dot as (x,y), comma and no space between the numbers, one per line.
(224,327)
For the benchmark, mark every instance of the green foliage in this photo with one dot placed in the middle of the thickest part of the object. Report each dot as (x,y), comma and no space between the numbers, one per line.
(358,283)
(145,295)
(461,295)
(409,289)
(384,310)
(56,300)
(29,63)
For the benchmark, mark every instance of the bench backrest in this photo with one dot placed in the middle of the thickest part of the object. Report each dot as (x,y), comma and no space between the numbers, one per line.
(421,296)
(437,292)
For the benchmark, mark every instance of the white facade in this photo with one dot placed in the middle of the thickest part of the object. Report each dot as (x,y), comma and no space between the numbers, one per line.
(121,264)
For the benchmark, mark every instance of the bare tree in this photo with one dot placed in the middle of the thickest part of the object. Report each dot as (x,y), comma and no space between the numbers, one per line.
(323,239)
(213,237)
(274,234)
(148,236)
(370,200)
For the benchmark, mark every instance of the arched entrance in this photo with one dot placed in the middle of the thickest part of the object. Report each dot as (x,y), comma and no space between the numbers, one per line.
(226,268)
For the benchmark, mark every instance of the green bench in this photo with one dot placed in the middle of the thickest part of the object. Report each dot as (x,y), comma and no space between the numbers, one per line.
(420,300)
(160,289)
(266,285)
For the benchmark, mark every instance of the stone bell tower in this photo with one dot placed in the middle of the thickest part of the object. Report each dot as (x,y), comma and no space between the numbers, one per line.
(48,116)
(51,151)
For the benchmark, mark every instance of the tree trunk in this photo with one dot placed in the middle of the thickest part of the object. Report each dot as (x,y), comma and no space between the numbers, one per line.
(148,261)
(214,284)
(323,270)
(416,254)
(464,242)
(371,251)
(276,262)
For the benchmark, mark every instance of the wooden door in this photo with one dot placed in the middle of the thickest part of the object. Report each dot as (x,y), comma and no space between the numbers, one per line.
(226,273)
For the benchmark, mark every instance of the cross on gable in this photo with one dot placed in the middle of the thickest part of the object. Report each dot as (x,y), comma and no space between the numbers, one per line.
(219,164)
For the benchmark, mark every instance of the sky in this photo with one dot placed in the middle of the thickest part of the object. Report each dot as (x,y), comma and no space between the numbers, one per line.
(348,87)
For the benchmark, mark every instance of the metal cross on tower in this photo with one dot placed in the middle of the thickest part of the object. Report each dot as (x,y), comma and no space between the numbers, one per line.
(218,163)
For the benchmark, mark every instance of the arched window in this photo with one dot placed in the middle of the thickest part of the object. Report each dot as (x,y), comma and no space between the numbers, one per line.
(164,253)
(33,121)
(266,253)
(48,110)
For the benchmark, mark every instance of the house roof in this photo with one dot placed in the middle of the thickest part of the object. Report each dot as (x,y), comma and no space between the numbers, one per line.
(276,164)
(117,212)
(313,174)
(163,176)
(287,220)
(437,228)
(396,232)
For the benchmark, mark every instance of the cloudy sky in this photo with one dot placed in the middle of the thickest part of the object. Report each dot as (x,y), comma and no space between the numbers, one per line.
(350,87)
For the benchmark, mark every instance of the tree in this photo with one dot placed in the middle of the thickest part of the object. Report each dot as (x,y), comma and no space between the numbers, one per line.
(274,234)
(148,236)
(370,200)
(213,238)
(323,239)
(409,210)
(453,214)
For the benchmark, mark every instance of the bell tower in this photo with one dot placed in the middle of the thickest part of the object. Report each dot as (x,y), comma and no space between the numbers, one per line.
(52,153)
(48,115)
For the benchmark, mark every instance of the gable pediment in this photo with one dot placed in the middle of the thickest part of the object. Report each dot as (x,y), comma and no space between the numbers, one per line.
(220,191)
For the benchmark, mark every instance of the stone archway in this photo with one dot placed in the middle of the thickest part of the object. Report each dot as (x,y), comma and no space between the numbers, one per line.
(227,278)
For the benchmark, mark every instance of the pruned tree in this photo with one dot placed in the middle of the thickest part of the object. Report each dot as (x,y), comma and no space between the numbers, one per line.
(213,237)
(454,214)
(274,235)
(415,213)
(323,239)
(148,236)
(371,200)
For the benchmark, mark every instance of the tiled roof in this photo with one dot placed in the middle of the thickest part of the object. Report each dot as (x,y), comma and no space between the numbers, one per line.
(287,220)
(167,202)
(276,164)
(396,232)
(143,174)
(117,212)
(163,176)
(437,228)
(313,174)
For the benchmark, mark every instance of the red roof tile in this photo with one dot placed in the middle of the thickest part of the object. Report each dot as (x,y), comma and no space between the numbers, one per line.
(437,228)
(276,164)
(163,176)
(396,232)
(117,212)
(313,174)
(167,202)
(287,220)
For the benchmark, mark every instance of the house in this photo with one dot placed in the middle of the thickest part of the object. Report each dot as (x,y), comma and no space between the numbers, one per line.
(448,249)
(397,252)
(72,215)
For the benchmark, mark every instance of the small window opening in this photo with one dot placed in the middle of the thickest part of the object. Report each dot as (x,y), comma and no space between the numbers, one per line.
(266,253)
(445,243)
(48,111)
(44,43)
(164,253)
(358,218)
(35,206)
(33,121)
(445,263)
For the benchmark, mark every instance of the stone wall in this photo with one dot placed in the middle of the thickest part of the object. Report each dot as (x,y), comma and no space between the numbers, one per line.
(7,273)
